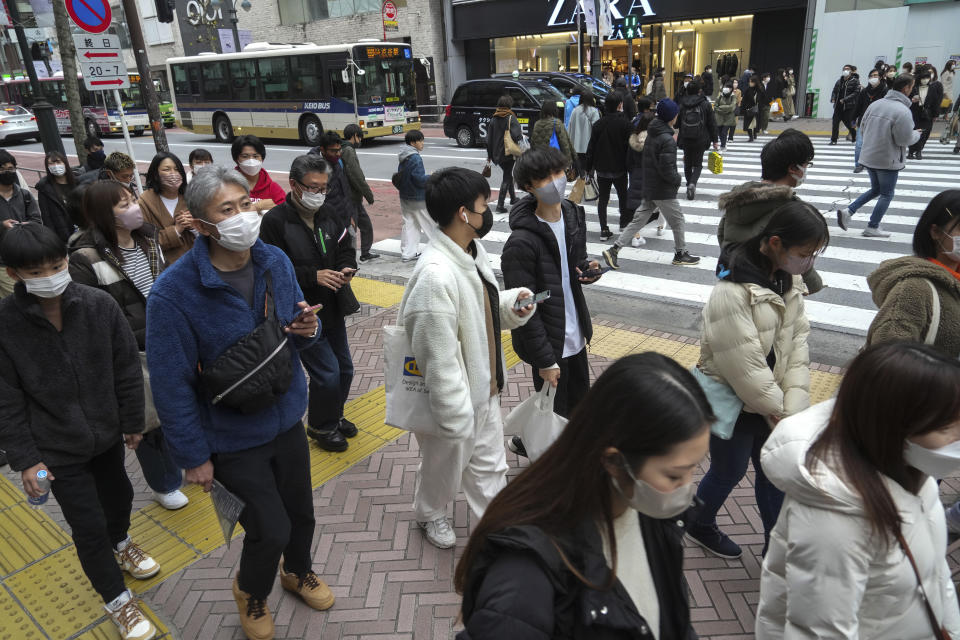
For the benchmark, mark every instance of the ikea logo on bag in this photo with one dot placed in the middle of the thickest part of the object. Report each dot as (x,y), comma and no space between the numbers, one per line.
(410,368)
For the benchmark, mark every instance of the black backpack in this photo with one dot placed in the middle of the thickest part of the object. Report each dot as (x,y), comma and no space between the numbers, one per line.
(395,178)
(691,124)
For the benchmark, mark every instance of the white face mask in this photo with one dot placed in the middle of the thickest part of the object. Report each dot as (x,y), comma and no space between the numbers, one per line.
(801,178)
(240,231)
(313,201)
(251,167)
(726,91)
(654,503)
(685,84)
(936,463)
(952,248)
(48,286)
(846,72)
(57,169)
(925,81)
(874,81)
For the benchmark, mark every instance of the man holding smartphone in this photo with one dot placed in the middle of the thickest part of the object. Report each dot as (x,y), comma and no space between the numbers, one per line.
(314,237)
(547,251)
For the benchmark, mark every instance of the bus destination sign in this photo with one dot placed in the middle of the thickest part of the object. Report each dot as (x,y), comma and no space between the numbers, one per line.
(381,53)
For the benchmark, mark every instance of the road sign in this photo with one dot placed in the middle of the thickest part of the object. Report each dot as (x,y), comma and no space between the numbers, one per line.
(101,62)
(92,16)
(389,13)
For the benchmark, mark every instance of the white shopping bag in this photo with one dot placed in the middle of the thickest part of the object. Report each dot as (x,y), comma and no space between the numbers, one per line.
(408,399)
(535,422)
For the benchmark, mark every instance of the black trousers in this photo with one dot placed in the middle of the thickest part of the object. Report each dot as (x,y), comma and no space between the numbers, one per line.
(839,115)
(274,482)
(603,186)
(693,164)
(573,384)
(748,122)
(366,229)
(924,136)
(506,186)
(96,498)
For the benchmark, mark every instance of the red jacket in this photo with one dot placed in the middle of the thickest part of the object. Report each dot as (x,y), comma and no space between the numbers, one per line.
(267,189)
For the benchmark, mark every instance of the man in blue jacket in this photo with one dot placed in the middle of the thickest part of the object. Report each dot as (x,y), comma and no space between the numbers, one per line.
(204,304)
(413,206)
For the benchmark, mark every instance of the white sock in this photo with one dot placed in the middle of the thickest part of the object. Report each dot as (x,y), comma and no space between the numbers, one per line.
(123,545)
(119,601)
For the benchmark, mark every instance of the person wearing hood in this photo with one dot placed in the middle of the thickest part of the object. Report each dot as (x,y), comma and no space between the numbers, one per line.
(747,209)
(547,251)
(887,130)
(926,97)
(580,128)
(841,109)
(874,90)
(754,341)
(607,155)
(249,153)
(697,130)
(587,543)
(165,208)
(548,126)
(453,311)
(95,154)
(413,208)
(504,119)
(860,548)
(661,181)
(725,108)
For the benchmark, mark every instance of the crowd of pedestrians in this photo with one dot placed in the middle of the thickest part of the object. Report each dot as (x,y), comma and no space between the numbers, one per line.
(197,306)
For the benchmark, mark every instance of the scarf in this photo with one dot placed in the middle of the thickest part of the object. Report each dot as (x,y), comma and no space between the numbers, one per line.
(502,112)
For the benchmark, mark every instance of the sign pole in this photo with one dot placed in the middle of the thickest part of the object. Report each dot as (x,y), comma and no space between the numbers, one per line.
(126,137)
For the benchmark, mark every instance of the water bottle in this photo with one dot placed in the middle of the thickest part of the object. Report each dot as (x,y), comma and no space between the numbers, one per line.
(43,480)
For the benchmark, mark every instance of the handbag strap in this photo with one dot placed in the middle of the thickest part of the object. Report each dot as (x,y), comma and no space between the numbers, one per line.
(938,631)
(935,316)
(269,308)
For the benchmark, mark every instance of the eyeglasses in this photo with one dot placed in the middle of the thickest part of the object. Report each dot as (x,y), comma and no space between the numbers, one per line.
(312,189)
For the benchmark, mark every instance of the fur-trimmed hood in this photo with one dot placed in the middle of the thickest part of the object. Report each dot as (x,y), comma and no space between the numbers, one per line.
(637,140)
(752,193)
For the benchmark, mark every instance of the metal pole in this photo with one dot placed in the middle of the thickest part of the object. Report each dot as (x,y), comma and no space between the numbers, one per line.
(233,26)
(630,63)
(147,90)
(805,61)
(596,59)
(126,137)
(353,86)
(42,109)
(579,38)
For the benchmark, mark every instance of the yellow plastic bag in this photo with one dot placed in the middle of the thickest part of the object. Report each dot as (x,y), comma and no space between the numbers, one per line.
(715,162)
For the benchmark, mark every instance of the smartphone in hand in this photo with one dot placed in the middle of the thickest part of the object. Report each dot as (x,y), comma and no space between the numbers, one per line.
(536,299)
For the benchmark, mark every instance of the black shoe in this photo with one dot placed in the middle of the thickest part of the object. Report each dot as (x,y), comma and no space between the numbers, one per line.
(956,149)
(606,234)
(919,155)
(500,209)
(691,191)
(833,142)
(347,428)
(516,445)
(911,156)
(610,257)
(370,255)
(715,541)
(331,440)
(858,169)
(685,259)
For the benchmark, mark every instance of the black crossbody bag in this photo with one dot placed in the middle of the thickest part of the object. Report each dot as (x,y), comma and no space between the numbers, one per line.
(255,372)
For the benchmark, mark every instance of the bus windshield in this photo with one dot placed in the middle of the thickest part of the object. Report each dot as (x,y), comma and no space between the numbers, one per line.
(386,82)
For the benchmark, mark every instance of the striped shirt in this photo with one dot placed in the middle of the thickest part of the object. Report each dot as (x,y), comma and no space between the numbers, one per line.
(137,267)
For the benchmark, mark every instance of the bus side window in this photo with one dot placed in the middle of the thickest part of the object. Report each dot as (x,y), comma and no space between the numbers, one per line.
(244,74)
(339,88)
(275,77)
(307,75)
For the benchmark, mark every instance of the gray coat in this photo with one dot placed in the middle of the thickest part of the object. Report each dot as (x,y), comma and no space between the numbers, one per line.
(581,124)
(887,131)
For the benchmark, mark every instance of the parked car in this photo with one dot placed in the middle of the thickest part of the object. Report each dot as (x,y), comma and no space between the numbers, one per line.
(474,102)
(17,123)
(566,82)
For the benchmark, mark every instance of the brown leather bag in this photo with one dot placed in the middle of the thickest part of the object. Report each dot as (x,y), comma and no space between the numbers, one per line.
(939,631)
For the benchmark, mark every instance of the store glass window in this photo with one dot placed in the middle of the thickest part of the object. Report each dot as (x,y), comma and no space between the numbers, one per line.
(547,52)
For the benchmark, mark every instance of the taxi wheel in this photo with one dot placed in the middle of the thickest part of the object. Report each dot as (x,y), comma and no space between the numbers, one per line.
(465,136)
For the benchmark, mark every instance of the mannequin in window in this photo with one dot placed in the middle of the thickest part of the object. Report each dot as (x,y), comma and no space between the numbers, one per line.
(679,57)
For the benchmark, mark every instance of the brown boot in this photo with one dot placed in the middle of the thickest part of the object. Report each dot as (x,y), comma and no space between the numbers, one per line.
(312,589)
(255,617)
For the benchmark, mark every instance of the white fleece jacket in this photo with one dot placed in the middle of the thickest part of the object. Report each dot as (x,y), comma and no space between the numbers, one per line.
(442,310)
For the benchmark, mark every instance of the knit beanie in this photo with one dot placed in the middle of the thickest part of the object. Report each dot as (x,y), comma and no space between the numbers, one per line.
(667,110)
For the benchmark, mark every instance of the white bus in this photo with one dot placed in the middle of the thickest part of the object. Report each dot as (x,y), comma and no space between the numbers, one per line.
(296,91)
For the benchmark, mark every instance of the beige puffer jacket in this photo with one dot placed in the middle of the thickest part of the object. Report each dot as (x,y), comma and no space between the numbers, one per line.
(742,322)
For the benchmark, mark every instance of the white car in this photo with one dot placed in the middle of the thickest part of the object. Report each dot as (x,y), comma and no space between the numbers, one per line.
(17,123)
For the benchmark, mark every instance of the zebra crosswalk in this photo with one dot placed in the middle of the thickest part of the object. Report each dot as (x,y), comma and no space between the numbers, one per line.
(845,304)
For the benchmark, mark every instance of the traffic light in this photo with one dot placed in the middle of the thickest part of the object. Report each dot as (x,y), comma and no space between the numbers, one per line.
(165,10)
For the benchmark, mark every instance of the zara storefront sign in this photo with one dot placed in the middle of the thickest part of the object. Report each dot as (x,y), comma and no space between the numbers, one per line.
(565,11)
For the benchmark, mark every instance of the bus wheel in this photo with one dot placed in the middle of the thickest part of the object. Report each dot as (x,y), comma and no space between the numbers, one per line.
(310,131)
(465,136)
(223,129)
(92,130)
(138,132)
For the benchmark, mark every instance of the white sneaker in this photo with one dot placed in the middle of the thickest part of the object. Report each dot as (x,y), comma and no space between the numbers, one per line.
(130,621)
(843,218)
(953,518)
(439,533)
(638,241)
(660,230)
(135,561)
(172,501)
(875,232)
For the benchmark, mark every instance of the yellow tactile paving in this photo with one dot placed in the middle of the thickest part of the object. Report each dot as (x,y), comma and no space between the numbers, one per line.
(10,494)
(171,553)
(196,524)
(662,346)
(379,294)
(823,385)
(27,535)
(617,343)
(14,621)
(57,594)
(688,355)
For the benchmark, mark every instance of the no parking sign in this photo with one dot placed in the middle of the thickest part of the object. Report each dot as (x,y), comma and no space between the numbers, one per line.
(93,16)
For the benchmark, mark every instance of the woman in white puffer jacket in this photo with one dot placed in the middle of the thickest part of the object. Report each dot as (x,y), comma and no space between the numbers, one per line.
(754,340)
(859,472)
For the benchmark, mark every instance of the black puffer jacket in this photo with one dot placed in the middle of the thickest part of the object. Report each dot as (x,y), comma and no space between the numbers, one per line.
(708,124)
(531,259)
(339,192)
(661,180)
(520,588)
(93,263)
(53,209)
(607,151)
(283,228)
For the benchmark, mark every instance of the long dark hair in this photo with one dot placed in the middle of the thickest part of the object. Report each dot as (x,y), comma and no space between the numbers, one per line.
(944,212)
(56,156)
(891,391)
(99,199)
(643,405)
(796,223)
(153,173)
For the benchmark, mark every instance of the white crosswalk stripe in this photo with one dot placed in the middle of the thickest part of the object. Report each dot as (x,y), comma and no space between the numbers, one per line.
(844,305)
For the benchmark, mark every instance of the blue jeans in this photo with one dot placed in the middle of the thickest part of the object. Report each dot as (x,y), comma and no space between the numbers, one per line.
(856,151)
(728,466)
(883,182)
(330,367)
(159,470)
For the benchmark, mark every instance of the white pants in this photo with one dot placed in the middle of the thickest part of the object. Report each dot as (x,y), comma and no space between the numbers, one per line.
(416,220)
(477,464)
